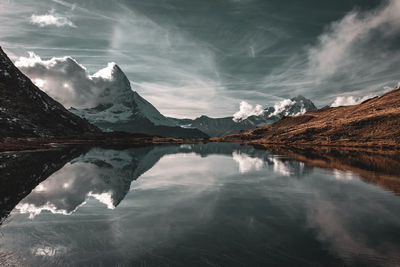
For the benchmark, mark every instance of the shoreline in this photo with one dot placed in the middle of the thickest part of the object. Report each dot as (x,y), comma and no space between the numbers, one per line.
(392,146)
(122,140)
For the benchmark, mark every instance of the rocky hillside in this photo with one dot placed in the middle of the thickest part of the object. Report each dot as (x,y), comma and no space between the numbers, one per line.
(26,111)
(375,122)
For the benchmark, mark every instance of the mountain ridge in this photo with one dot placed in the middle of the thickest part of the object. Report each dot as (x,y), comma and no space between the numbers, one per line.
(216,127)
(106,99)
(122,109)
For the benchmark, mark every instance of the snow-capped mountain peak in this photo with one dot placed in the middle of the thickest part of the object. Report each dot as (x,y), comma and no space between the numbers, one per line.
(105,98)
(290,107)
(117,102)
(249,117)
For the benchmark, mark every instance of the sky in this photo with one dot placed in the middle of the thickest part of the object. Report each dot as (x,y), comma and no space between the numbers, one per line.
(192,58)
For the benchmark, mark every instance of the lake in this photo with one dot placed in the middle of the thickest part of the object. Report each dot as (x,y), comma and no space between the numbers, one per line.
(215,204)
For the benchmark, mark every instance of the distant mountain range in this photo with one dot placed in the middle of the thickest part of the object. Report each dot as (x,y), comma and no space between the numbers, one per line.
(125,110)
(26,111)
(373,123)
(228,125)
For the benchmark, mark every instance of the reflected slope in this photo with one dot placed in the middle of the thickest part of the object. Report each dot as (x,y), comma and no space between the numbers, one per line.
(377,167)
(22,172)
(221,204)
(106,174)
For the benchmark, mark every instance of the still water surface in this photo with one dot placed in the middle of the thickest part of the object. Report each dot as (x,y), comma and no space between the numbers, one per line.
(200,205)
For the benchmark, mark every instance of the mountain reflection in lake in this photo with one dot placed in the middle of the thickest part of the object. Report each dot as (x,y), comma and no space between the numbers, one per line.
(202,204)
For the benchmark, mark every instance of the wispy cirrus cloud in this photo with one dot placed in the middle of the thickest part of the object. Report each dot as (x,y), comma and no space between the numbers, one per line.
(51,19)
(354,55)
(336,46)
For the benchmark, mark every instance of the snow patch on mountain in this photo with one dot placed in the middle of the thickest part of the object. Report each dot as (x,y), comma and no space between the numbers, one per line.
(286,107)
(106,73)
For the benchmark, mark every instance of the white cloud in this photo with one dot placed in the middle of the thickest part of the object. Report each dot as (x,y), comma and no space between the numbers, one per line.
(279,166)
(343,175)
(172,70)
(246,110)
(281,106)
(39,82)
(247,163)
(335,46)
(105,198)
(34,211)
(390,88)
(48,251)
(71,84)
(349,100)
(352,100)
(51,19)
(68,189)
(344,101)
(354,54)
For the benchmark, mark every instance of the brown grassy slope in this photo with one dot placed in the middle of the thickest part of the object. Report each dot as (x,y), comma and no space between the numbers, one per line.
(375,122)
